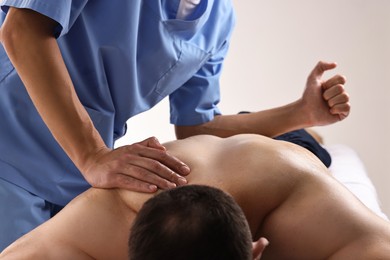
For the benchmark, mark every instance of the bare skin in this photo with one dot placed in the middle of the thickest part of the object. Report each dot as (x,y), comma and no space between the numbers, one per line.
(286,194)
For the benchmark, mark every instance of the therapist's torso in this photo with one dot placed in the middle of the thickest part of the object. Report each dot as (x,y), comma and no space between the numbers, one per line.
(123,57)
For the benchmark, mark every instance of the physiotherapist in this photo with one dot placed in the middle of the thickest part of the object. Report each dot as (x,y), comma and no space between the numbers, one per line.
(73,72)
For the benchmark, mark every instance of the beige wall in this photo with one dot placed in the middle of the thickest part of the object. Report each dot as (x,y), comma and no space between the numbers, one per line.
(275,45)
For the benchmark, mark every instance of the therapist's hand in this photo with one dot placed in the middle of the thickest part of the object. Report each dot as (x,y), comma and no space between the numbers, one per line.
(325,101)
(144,167)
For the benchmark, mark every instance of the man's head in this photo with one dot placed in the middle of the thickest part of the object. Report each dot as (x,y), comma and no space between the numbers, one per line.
(190,222)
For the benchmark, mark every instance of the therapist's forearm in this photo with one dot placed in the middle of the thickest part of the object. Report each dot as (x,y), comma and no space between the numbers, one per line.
(271,122)
(28,41)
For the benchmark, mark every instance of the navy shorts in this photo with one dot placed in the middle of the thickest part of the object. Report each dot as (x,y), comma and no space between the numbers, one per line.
(303,138)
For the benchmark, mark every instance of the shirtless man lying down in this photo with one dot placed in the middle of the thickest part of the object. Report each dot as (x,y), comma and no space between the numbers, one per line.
(284,191)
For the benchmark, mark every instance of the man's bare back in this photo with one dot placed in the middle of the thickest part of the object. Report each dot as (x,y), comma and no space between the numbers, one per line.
(284,191)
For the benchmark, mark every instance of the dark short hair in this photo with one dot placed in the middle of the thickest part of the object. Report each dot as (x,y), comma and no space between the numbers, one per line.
(190,222)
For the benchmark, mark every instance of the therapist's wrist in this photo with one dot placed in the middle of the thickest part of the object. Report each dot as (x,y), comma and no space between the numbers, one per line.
(90,159)
(83,146)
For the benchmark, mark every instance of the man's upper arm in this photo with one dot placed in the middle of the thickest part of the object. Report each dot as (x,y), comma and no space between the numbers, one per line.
(187,131)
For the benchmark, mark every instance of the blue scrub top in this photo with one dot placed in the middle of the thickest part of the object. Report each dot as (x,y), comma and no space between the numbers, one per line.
(123,57)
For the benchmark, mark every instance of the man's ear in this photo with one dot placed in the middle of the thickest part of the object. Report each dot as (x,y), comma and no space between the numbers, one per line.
(258,247)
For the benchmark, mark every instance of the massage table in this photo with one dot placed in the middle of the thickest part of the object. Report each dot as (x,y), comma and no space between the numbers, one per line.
(348,169)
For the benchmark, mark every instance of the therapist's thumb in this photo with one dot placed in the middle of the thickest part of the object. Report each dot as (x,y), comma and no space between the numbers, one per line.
(153,142)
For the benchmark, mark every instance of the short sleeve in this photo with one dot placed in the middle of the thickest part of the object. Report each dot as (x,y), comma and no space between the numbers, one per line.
(196,102)
(64,12)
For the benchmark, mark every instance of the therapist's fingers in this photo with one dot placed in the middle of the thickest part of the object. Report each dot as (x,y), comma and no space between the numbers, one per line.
(141,180)
(150,170)
(153,143)
(129,183)
(162,156)
(138,166)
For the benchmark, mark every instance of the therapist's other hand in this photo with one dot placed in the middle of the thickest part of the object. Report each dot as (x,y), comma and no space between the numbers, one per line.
(144,166)
(325,101)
